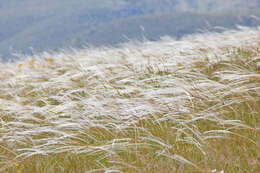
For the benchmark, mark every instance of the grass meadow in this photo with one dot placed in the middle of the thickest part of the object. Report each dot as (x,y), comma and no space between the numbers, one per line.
(187,106)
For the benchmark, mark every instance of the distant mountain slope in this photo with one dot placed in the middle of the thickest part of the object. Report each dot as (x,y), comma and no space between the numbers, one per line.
(153,27)
(47,24)
(43,24)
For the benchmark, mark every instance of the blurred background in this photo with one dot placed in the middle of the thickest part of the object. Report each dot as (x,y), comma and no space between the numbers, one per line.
(32,26)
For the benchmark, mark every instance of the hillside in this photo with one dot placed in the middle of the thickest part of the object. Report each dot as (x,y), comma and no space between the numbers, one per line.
(31,26)
(42,24)
(168,106)
(153,27)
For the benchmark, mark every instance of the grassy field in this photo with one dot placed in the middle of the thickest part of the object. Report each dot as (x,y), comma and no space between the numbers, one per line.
(155,107)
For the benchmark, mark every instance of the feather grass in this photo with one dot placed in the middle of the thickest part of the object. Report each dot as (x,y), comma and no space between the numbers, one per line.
(168,106)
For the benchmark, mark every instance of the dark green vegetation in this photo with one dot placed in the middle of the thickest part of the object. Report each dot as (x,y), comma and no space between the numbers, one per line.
(28,26)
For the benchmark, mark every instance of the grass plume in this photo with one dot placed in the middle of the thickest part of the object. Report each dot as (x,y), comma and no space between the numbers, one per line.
(168,106)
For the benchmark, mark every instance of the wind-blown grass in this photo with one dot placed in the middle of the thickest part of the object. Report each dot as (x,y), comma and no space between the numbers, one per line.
(169,106)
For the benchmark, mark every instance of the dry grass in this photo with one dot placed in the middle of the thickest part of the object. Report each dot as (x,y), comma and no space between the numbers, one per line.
(167,106)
